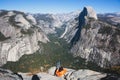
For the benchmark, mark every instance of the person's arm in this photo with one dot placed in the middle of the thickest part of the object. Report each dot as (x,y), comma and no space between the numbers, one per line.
(57,73)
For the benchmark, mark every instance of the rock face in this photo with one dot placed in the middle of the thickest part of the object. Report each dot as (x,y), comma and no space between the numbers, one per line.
(22,22)
(100,44)
(31,19)
(89,11)
(71,26)
(94,40)
(70,30)
(18,36)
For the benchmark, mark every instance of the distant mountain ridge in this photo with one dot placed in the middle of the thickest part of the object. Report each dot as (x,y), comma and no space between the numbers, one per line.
(111,18)
(50,22)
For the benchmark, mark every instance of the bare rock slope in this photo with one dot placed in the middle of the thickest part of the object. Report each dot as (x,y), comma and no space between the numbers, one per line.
(18,35)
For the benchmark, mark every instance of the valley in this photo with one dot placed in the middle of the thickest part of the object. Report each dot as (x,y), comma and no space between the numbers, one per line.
(33,43)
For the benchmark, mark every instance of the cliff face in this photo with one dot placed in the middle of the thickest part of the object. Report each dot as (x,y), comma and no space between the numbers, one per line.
(99,42)
(94,40)
(18,35)
(74,26)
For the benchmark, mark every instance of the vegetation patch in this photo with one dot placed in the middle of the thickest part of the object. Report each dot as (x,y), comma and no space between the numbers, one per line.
(3,12)
(87,26)
(113,70)
(56,50)
(2,37)
(105,30)
(28,31)
(60,30)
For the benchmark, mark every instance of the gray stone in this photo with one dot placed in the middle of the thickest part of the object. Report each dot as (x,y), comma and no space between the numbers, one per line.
(8,75)
(16,41)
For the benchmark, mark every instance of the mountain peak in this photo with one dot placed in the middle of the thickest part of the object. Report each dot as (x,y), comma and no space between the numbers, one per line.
(90,12)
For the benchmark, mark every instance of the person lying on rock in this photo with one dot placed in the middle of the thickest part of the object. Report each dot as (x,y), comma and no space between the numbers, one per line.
(60,72)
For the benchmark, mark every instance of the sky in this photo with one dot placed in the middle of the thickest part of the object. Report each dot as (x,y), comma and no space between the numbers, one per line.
(60,6)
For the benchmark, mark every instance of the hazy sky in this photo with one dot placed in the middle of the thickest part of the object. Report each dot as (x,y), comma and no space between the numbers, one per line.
(60,6)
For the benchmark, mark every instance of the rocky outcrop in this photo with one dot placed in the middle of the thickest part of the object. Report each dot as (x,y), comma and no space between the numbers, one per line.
(73,27)
(18,36)
(21,21)
(82,74)
(94,40)
(90,12)
(31,19)
(8,75)
(70,75)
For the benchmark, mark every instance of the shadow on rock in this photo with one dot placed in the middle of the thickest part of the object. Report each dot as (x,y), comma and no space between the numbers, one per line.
(111,77)
(35,77)
(19,76)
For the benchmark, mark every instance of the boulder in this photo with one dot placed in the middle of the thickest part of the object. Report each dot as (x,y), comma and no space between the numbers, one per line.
(22,22)
(8,75)
(31,19)
(51,71)
(85,74)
